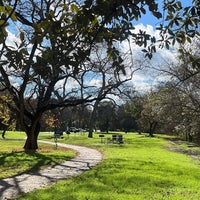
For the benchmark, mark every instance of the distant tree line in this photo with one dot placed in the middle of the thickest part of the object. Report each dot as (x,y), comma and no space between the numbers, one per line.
(171,108)
(168,109)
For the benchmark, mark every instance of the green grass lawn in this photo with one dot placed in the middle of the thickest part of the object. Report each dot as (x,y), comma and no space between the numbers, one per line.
(14,161)
(141,169)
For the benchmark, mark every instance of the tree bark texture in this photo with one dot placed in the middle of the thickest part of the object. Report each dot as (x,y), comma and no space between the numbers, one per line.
(31,144)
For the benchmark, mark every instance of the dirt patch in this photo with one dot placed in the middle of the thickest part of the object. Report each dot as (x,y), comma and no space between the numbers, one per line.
(41,149)
(47,149)
(184,147)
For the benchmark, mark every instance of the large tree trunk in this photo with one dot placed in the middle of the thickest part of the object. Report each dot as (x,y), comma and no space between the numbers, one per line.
(32,133)
(152,128)
(31,144)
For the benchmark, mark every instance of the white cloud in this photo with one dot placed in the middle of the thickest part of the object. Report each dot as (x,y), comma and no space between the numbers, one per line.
(147,78)
(12,39)
(94,82)
(144,79)
(70,85)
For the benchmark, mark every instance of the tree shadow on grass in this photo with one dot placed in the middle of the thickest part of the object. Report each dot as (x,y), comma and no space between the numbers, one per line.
(110,180)
(14,185)
(27,182)
(28,159)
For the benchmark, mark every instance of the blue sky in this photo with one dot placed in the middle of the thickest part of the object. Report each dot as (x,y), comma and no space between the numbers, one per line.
(148,79)
(144,80)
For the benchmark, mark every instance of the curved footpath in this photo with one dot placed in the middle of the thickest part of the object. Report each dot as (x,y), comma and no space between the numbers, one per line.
(85,160)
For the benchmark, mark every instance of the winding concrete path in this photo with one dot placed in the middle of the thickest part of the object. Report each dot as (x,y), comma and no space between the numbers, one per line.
(85,160)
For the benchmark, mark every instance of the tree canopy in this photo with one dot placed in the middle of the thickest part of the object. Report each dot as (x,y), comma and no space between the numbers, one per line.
(49,61)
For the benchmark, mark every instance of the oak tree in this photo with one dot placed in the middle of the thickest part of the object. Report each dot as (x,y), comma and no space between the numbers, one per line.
(54,40)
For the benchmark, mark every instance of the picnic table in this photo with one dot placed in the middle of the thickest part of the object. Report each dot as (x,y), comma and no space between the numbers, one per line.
(116,139)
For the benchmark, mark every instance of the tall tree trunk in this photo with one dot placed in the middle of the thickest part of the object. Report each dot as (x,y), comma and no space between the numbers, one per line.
(92,119)
(32,133)
(152,128)
(91,124)
(3,133)
(90,133)
(31,144)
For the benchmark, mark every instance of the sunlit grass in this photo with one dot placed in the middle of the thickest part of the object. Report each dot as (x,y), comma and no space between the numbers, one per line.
(142,168)
(15,135)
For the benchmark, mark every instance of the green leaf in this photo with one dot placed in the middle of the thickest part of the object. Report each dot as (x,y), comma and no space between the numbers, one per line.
(74,8)
(153,49)
(170,32)
(173,41)
(144,50)
(176,22)
(2,9)
(179,4)
(183,40)
(143,10)
(157,15)
(21,36)
(24,51)
(167,44)
(149,55)
(13,17)
(189,40)
(153,39)
(95,21)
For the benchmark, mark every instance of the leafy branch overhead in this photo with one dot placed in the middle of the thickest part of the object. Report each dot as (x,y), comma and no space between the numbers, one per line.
(105,20)
(180,23)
